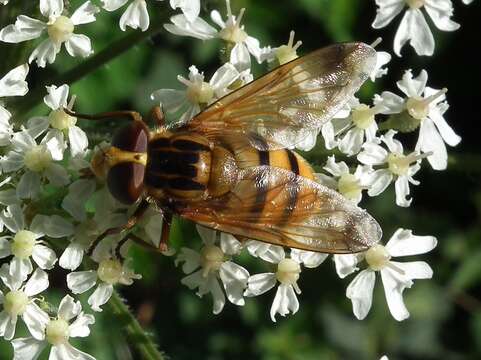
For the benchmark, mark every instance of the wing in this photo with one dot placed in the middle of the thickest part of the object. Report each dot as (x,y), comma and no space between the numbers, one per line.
(276,206)
(299,96)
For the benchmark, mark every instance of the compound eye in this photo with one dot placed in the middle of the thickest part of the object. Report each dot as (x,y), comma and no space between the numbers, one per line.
(131,137)
(126,182)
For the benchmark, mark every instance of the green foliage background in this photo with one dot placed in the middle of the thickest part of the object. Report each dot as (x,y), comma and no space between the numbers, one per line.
(445,318)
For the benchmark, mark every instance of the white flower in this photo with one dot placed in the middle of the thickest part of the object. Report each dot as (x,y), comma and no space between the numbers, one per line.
(413,27)
(60,30)
(396,276)
(190,8)
(36,161)
(425,107)
(12,84)
(230,31)
(59,121)
(110,272)
(348,133)
(287,275)
(70,322)
(214,263)
(347,184)
(135,16)
(19,301)
(284,53)
(197,92)
(400,167)
(26,243)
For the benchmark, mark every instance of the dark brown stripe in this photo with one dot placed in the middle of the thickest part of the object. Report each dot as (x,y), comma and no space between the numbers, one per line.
(159,159)
(181,183)
(156,181)
(159,143)
(292,189)
(261,180)
(188,145)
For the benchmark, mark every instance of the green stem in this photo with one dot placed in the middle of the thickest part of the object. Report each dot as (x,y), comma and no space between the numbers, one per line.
(137,336)
(22,106)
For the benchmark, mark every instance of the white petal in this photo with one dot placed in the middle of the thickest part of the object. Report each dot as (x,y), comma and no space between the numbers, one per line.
(44,257)
(36,320)
(414,28)
(207,235)
(81,281)
(334,168)
(79,45)
(57,175)
(20,268)
(51,8)
(13,218)
(402,192)
(78,141)
(85,13)
(8,325)
(78,194)
(198,28)
(271,253)
(190,8)
(379,181)
(372,154)
(25,28)
(415,269)
(57,97)
(10,281)
(45,52)
(72,256)
(80,327)
(446,131)
(404,243)
(234,277)
(27,348)
(4,248)
(112,5)
(136,16)
(37,125)
(360,292)
(171,100)
(430,141)
(310,259)
(29,185)
(284,302)
(394,285)
(260,283)
(54,141)
(68,352)
(387,10)
(440,12)
(346,264)
(54,226)
(13,83)
(100,296)
(195,280)
(352,142)
(240,57)
(37,283)
(222,78)
(69,308)
(413,87)
(391,103)
(229,244)
(218,296)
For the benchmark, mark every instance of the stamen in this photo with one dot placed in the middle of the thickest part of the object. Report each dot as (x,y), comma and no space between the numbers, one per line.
(184,81)
(376,42)
(413,157)
(72,102)
(291,38)
(395,268)
(239,18)
(229,11)
(433,97)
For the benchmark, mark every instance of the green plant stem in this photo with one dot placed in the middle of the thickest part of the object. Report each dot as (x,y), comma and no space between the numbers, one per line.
(136,335)
(22,106)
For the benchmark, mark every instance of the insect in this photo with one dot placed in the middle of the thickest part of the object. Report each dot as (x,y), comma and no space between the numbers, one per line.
(230,168)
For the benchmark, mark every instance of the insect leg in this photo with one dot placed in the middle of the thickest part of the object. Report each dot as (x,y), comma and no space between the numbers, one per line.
(132,115)
(139,212)
(157,115)
(164,236)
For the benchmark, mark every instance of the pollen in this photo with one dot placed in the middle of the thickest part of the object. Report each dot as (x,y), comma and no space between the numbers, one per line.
(23,244)
(15,303)
(211,259)
(57,332)
(377,257)
(363,116)
(60,120)
(61,29)
(418,107)
(110,271)
(288,271)
(38,158)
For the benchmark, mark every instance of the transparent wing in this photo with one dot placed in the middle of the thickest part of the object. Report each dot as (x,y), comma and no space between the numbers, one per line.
(301,95)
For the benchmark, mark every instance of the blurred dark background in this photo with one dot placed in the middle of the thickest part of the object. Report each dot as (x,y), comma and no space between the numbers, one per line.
(445,320)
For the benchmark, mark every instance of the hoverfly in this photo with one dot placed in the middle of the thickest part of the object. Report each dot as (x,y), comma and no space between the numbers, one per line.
(230,168)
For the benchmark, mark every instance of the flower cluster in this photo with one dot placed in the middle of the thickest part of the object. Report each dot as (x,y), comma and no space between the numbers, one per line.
(53,214)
